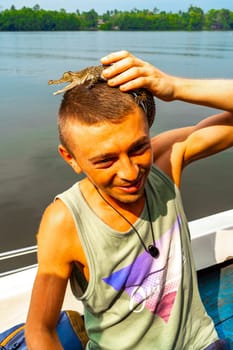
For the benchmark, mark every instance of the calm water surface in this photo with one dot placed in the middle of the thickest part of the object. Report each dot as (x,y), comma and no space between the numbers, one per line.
(31,171)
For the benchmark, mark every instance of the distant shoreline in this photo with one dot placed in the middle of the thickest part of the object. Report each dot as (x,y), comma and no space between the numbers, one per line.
(37,19)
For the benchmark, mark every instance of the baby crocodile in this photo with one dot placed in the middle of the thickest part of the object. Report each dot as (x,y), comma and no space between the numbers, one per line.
(143,97)
(91,74)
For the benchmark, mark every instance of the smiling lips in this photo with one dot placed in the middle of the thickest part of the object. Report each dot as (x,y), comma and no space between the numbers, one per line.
(132,187)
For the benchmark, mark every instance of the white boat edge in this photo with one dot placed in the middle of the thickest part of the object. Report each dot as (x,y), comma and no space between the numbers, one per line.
(212,239)
(212,243)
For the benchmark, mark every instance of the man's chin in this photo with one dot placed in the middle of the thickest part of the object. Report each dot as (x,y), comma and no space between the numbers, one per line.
(127,198)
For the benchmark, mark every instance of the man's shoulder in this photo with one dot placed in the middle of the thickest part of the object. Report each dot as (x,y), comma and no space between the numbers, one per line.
(58,236)
(57,212)
(57,224)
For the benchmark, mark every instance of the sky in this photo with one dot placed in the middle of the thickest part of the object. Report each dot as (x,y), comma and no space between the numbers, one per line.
(102,6)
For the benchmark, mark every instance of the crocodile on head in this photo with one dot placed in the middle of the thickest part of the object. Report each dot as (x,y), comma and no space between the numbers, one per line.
(143,97)
(91,74)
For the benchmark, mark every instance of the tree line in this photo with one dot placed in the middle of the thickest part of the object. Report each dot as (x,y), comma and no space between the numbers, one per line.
(37,19)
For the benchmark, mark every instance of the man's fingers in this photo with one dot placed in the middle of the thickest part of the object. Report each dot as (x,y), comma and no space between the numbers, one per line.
(133,84)
(126,71)
(119,67)
(114,56)
(123,76)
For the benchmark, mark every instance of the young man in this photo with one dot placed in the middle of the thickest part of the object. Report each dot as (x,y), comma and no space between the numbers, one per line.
(120,234)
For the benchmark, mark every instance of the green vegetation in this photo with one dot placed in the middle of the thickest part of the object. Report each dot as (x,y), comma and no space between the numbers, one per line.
(37,19)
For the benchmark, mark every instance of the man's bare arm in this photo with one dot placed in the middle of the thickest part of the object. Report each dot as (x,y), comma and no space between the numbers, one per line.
(58,247)
(129,72)
(46,301)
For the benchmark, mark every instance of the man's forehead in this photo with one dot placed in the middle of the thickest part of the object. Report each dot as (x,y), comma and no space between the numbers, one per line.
(106,135)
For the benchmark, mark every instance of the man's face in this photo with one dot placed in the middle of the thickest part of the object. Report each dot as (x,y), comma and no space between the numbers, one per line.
(116,158)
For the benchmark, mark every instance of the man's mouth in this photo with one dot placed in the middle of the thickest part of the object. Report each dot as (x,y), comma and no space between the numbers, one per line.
(132,187)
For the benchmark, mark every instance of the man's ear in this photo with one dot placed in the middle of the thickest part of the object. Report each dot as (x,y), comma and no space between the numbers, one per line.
(68,158)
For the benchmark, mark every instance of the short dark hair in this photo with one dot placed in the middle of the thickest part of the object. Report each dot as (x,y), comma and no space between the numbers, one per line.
(97,104)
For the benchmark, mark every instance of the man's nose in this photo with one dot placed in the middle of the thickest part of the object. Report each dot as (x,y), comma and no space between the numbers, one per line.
(128,170)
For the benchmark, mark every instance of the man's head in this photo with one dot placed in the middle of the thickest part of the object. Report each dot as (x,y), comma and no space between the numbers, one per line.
(105,135)
(99,104)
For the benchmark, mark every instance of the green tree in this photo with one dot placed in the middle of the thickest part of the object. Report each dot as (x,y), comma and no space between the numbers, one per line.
(195,18)
(89,19)
(36,7)
(38,19)
(218,20)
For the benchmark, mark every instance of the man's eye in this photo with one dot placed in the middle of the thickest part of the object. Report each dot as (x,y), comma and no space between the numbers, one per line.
(138,149)
(104,163)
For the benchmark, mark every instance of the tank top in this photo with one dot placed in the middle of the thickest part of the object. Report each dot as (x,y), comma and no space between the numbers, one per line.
(132,300)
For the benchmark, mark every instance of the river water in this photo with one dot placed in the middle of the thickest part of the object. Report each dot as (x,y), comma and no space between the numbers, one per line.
(31,171)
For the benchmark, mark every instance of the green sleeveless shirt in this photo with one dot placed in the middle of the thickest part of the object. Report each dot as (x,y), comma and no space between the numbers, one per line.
(132,300)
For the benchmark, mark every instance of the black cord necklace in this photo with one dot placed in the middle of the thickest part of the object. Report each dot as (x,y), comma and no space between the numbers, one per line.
(151,249)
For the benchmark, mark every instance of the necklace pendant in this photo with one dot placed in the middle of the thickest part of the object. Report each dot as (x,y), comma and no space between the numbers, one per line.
(153,251)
